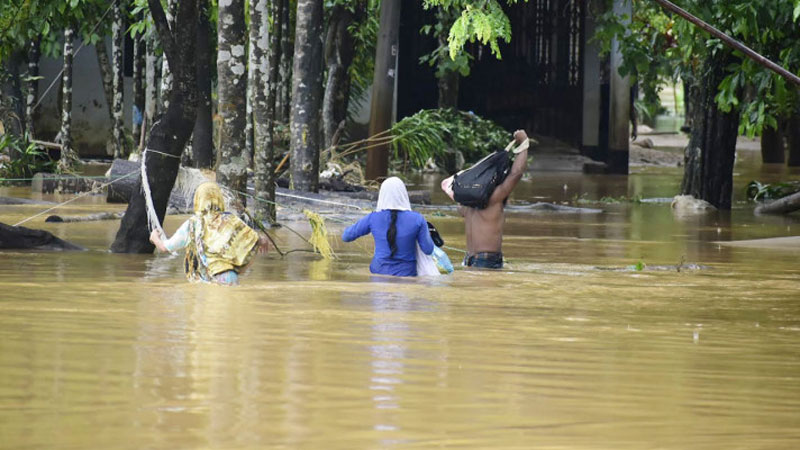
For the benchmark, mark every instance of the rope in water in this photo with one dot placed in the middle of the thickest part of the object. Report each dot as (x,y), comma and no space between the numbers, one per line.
(152,217)
(62,177)
(75,198)
(255,198)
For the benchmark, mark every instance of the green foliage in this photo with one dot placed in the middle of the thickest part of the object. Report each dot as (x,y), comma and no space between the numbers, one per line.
(657,46)
(480,20)
(433,133)
(761,191)
(28,158)
(649,45)
(441,57)
(23,21)
(771,29)
(144,26)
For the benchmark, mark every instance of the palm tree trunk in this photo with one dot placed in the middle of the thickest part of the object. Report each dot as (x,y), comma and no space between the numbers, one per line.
(232,96)
(259,69)
(306,96)
(272,100)
(34,53)
(166,73)
(139,53)
(257,81)
(68,155)
(202,135)
(153,68)
(117,43)
(287,51)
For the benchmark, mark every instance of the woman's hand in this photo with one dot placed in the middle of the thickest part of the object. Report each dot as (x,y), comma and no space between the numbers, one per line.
(155,238)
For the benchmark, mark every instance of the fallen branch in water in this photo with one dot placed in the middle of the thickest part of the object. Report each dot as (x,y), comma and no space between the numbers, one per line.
(46,144)
(784,205)
(89,218)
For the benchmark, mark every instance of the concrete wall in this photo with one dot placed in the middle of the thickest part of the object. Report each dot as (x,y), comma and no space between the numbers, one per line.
(91,127)
(591,84)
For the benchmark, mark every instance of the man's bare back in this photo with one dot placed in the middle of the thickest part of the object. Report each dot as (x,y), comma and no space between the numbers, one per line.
(484,227)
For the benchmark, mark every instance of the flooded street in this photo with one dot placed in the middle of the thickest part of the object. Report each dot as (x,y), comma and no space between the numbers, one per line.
(566,348)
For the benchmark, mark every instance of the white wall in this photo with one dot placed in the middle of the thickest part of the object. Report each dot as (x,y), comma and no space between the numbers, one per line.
(91,127)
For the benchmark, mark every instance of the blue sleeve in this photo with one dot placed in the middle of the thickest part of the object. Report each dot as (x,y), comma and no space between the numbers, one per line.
(180,239)
(424,237)
(358,229)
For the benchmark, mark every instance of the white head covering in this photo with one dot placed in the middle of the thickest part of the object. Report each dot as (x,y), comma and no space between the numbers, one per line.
(393,195)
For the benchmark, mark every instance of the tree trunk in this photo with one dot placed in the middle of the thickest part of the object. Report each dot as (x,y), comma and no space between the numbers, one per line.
(34,53)
(249,131)
(68,155)
(232,96)
(272,107)
(166,73)
(793,136)
(259,71)
(448,80)
(448,85)
(139,52)
(12,112)
(105,75)
(711,153)
(257,82)
(339,53)
(287,52)
(151,81)
(772,150)
(118,92)
(169,134)
(306,96)
(203,133)
(382,107)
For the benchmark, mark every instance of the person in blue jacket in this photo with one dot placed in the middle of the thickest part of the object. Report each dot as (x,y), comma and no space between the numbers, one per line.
(399,233)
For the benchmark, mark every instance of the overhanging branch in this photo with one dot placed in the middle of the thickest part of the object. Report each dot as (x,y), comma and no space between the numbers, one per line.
(164,33)
(731,42)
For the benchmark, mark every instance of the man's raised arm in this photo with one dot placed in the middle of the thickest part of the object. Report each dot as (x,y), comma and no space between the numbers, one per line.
(502,191)
(447,187)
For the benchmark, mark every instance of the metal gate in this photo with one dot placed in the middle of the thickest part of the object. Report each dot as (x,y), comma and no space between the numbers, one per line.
(539,82)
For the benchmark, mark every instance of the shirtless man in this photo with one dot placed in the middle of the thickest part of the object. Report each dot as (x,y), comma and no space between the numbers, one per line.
(484,227)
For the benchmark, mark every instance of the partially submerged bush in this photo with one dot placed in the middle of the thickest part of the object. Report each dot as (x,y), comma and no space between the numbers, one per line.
(20,159)
(763,191)
(441,134)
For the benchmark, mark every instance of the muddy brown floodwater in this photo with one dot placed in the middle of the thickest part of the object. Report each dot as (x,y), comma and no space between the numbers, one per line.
(566,348)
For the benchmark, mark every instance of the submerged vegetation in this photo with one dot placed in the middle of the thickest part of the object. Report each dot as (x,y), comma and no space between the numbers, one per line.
(28,159)
(582,199)
(442,134)
(757,191)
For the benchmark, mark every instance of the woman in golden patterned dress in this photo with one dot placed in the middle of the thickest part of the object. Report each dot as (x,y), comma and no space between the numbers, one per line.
(219,245)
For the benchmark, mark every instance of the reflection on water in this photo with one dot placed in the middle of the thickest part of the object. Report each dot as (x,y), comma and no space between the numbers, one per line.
(118,351)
